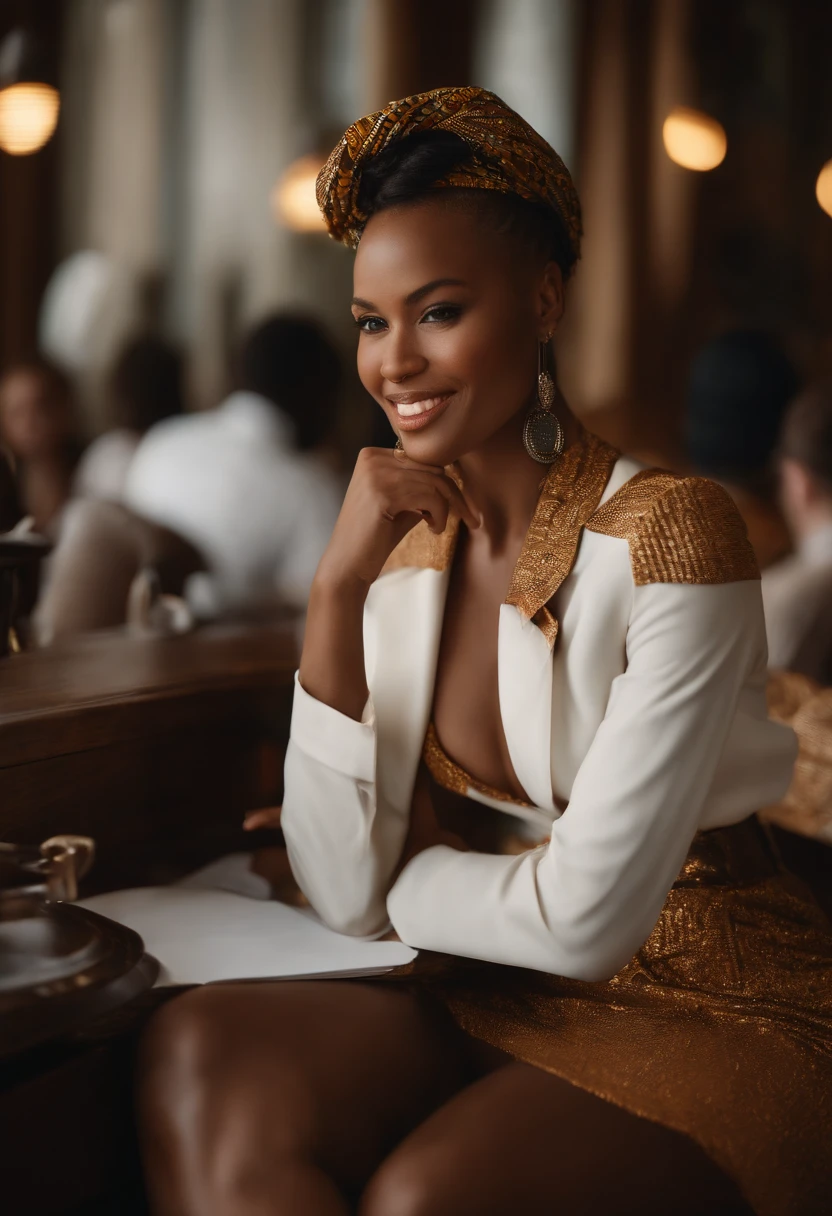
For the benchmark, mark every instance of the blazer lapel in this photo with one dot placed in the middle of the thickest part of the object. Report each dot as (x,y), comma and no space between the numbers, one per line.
(524,672)
(406,609)
(407,605)
(528,627)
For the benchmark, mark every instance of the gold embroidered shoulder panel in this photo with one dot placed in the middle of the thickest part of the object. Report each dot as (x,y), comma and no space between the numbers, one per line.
(679,529)
(424,549)
(569,495)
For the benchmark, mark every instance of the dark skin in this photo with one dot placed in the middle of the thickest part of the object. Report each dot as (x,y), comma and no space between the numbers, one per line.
(330,1098)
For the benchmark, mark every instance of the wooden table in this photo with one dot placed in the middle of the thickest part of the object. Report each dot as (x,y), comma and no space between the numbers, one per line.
(154,747)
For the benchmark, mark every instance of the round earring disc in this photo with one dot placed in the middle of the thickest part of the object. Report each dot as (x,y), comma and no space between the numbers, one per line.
(543,436)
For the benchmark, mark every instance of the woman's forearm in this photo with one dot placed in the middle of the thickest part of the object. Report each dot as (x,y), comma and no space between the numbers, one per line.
(332,663)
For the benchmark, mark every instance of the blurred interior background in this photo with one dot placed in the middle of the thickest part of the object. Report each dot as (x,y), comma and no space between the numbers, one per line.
(175,192)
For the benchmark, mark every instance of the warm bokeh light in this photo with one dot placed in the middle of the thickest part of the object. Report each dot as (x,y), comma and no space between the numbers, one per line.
(293,198)
(694,140)
(28,116)
(823,187)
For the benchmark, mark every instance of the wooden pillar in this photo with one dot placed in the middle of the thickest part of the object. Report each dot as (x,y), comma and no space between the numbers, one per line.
(28,211)
(414,45)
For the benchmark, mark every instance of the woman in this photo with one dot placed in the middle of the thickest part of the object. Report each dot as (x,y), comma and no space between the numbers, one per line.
(36,425)
(629,1007)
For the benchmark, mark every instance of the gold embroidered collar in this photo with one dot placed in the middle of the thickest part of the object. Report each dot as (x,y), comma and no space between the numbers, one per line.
(570,494)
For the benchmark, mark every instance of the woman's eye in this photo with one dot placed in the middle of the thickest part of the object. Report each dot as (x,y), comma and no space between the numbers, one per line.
(442,312)
(370,325)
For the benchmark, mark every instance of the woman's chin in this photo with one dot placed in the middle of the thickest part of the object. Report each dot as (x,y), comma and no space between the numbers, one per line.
(427,451)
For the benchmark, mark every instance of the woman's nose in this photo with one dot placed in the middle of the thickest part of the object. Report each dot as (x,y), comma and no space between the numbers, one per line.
(402,359)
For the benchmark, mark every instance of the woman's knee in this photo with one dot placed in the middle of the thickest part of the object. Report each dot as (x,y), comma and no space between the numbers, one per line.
(419,1182)
(202,1054)
(184,1038)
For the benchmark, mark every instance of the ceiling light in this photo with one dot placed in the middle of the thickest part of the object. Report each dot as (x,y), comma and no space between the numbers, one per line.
(293,199)
(693,139)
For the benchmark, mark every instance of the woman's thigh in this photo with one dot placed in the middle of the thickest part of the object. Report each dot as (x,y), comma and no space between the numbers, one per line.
(236,1080)
(521,1141)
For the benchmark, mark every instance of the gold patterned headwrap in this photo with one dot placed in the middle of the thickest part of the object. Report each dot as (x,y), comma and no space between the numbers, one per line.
(507,155)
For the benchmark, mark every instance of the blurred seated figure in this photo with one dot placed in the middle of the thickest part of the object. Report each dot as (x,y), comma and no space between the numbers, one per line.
(111,568)
(739,387)
(37,429)
(797,592)
(145,387)
(242,484)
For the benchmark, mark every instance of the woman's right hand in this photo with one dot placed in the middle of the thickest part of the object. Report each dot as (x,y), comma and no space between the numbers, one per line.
(388,495)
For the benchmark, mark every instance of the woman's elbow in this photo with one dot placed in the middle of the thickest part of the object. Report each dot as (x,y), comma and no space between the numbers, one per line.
(595,957)
(354,920)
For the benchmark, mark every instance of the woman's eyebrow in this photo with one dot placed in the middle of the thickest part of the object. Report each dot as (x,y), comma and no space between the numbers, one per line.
(416,295)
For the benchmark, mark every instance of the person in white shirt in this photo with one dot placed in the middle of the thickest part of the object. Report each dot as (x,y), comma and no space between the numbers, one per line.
(145,387)
(242,483)
(629,1009)
(797,592)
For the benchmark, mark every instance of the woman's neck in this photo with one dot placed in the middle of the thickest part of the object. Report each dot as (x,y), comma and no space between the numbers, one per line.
(502,482)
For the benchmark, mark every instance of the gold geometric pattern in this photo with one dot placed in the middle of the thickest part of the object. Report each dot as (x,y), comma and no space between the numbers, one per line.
(720,1027)
(806,707)
(450,776)
(424,549)
(570,494)
(507,155)
(679,529)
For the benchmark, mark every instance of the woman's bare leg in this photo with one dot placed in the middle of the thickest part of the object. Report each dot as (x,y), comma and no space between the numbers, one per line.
(284,1098)
(521,1141)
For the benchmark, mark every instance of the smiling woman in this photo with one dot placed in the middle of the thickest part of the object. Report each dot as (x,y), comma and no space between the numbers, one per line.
(529,732)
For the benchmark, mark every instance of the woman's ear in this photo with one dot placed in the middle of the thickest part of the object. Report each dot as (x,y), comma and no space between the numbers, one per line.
(550,298)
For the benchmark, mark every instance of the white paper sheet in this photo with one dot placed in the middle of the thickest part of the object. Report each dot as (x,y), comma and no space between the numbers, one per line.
(203,936)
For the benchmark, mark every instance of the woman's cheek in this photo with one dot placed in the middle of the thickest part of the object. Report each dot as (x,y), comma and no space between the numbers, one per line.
(368,366)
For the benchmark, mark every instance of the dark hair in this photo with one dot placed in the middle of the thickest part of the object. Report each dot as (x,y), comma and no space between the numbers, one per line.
(146,383)
(290,360)
(739,387)
(406,171)
(807,432)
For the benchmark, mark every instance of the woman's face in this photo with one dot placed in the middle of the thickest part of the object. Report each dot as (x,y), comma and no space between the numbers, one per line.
(449,314)
(34,418)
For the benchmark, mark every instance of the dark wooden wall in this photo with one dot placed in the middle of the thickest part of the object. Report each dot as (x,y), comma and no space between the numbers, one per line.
(28,203)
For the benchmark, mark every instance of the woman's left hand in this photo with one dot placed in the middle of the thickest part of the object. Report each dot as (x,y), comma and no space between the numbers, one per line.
(266,817)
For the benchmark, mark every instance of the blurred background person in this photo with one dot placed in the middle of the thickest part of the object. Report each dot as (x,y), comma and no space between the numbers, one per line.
(797,592)
(248,484)
(37,427)
(739,388)
(145,387)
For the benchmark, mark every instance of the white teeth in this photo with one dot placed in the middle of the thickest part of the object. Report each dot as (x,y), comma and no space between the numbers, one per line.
(411,408)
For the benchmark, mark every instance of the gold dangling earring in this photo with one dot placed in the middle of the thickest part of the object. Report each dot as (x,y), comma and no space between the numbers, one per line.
(543,435)
(399,445)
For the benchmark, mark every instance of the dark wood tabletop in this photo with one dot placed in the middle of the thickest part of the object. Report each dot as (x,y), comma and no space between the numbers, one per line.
(154,746)
(102,687)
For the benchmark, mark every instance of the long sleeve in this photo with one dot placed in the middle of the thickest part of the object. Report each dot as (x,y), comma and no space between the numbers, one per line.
(582,905)
(341,851)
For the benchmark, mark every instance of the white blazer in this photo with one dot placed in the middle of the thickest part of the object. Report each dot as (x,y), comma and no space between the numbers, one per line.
(632,672)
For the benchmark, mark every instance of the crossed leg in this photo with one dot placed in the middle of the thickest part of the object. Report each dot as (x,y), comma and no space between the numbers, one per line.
(311,1097)
(263,1099)
(523,1142)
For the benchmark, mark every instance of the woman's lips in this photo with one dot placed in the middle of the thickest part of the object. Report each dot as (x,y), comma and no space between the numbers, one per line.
(414,415)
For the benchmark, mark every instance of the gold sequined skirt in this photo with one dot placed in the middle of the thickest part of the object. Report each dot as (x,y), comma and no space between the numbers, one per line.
(720,1027)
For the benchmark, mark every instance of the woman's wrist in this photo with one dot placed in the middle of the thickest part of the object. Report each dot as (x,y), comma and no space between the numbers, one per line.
(333,584)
